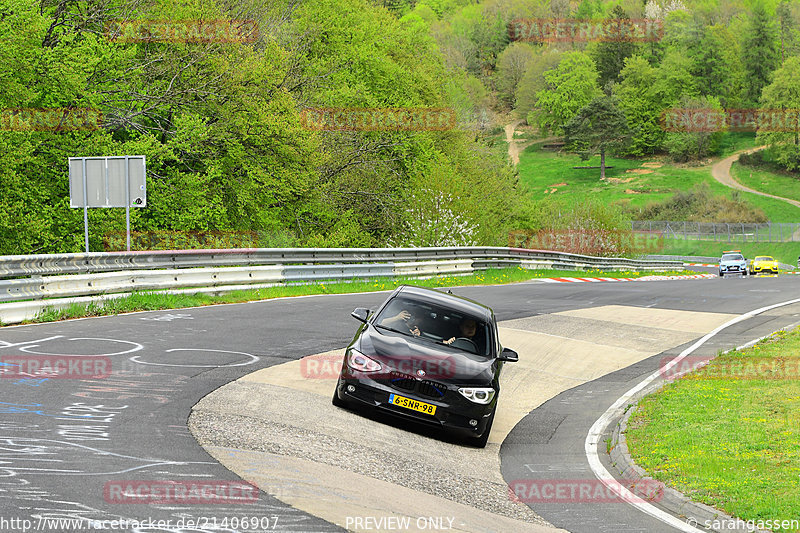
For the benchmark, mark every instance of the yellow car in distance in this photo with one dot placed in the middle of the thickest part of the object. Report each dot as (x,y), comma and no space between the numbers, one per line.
(763,264)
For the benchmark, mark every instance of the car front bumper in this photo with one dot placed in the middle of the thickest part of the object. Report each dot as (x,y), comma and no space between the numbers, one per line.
(453,411)
(732,269)
(762,270)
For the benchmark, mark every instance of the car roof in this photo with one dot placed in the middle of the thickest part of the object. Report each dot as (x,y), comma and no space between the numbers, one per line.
(457,303)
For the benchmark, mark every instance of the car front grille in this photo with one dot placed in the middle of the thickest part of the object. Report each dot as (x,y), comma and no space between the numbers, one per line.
(428,388)
(399,380)
(431,389)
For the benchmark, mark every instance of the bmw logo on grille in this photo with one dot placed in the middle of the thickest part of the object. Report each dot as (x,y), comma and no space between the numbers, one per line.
(421,373)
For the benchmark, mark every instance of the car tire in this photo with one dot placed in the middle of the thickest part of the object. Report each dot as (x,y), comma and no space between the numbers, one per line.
(480,442)
(722,274)
(338,402)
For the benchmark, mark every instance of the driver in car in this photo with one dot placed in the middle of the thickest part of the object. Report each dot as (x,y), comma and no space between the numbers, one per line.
(467,329)
(406,318)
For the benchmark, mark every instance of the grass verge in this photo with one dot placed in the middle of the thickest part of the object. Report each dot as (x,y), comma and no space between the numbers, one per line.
(727,435)
(151,301)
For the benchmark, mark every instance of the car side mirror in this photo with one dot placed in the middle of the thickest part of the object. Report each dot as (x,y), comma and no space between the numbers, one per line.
(509,355)
(360,314)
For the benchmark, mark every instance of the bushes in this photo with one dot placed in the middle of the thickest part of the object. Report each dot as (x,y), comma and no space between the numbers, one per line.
(700,205)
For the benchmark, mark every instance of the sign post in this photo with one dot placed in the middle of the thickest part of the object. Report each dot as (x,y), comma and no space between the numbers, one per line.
(116,181)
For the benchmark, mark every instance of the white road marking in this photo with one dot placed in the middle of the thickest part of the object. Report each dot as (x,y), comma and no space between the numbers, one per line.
(136,348)
(253,359)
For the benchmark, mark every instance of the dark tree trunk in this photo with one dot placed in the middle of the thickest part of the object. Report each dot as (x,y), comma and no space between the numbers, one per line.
(602,163)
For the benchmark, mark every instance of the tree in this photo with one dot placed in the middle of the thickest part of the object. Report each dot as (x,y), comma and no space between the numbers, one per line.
(511,66)
(533,80)
(783,93)
(642,104)
(674,78)
(710,67)
(759,52)
(599,126)
(788,14)
(568,88)
(700,135)
(610,56)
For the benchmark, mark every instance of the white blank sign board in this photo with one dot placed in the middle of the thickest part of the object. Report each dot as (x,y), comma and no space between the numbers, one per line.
(117,181)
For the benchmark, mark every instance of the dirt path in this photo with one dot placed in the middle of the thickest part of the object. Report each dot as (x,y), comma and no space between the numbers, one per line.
(722,173)
(516,146)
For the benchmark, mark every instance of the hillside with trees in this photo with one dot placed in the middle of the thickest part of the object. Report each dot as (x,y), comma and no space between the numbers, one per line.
(227,150)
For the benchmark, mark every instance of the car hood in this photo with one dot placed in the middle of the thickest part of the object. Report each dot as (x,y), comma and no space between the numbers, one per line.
(438,363)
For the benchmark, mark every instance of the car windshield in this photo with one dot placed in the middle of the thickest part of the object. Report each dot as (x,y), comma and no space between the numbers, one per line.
(436,324)
(733,257)
(764,258)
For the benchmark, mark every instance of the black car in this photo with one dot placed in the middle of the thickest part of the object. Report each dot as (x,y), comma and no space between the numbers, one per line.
(427,356)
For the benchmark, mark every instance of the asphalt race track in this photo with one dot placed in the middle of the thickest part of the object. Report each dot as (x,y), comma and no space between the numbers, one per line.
(67,446)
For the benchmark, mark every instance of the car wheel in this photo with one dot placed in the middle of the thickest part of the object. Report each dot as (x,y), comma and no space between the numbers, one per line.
(480,442)
(721,274)
(338,402)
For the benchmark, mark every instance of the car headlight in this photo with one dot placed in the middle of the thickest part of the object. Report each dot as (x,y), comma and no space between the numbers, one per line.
(358,361)
(481,395)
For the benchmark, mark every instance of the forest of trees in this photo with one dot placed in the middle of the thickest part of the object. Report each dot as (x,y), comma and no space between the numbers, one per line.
(710,54)
(220,122)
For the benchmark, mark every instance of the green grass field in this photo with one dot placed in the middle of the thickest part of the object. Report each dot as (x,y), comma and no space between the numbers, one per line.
(727,435)
(785,252)
(735,141)
(632,182)
(783,185)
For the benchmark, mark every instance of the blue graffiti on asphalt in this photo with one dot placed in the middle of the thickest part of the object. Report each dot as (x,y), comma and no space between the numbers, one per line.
(30,382)
(19,408)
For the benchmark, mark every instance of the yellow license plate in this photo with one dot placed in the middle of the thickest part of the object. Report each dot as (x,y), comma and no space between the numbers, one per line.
(414,405)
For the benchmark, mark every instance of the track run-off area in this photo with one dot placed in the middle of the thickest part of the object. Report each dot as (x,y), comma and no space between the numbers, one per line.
(238,396)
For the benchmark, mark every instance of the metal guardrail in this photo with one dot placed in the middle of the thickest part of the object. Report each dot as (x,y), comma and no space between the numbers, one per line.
(70,275)
(31,265)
